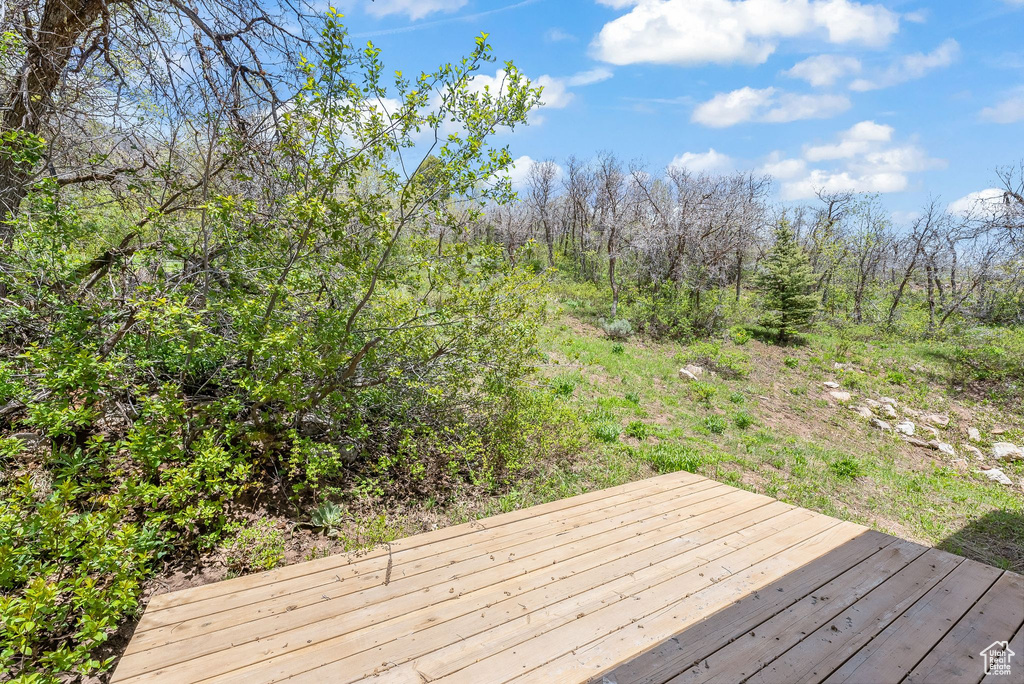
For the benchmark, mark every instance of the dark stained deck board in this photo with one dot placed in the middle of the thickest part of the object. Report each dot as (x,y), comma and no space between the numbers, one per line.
(676,578)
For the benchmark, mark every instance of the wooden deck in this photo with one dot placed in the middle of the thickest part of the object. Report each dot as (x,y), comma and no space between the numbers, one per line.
(673,579)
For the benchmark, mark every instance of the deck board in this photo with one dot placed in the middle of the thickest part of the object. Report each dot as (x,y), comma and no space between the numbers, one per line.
(676,578)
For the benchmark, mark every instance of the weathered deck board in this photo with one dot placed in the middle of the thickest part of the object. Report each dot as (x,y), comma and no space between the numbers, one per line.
(677,578)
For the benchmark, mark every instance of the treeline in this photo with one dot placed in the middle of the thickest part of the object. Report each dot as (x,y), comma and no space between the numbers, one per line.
(683,244)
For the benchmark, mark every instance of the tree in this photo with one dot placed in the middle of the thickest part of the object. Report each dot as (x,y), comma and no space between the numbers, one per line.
(785,284)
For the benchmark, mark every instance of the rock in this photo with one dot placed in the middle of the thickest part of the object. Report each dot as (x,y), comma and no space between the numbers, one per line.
(872,403)
(29,438)
(880,424)
(862,411)
(887,400)
(975,451)
(943,447)
(999,431)
(889,411)
(840,396)
(960,462)
(696,371)
(686,375)
(936,419)
(973,434)
(1005,451)
(831,385)
(917,441)
(997,475)
(911,412)
(839,366)
(932,431)
(905,427)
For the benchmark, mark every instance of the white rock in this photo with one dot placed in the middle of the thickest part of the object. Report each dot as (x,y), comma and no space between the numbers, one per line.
(889,411)
(905,427)
(943,447)
(975,451)
(831,385)
(887,400)
(697,371)
(999,431)
(862,411)
(872,403)
(997,475)
(840,396)
(917,441)
(973,434)
(932,431)
(838,366)
(880,424)
(911,412)
(686,375)
(936,419)
(1005,451)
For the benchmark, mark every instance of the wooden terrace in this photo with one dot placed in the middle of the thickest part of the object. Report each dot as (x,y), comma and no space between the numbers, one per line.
(673,579)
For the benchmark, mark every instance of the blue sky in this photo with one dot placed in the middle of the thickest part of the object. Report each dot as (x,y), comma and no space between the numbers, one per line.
(907,98)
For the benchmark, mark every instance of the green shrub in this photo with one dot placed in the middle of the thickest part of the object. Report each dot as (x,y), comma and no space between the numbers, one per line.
(715,424)
(737,398)
(846,467)
(638,430)
(702,392)
(254,547)
(739,335)
(617,329)
(670,458)
(710,355)
(607,431)
(563,386)
(791,362)
(618,348)
(743,420)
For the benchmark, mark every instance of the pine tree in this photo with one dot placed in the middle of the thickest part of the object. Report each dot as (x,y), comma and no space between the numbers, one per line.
(785,283)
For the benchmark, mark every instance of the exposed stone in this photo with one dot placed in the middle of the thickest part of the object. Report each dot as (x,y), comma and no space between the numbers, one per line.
(905,427)
(917,441)
(999,431)
(1005,451)
(862,411)
(839,396)
(936,419)
(696,371)
(831,384)
(943,447)
(29,438)
(975,451)
(872,403)
(931,431)
(913,413)
(997,475)
(889,411)
(686,375)
(960,462)
(880,424)
(973,434)
(887,400)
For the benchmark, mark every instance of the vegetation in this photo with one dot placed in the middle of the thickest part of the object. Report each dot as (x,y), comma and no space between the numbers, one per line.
(290,295)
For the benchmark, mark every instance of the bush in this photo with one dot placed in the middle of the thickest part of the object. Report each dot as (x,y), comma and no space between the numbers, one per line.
(670,458)
(617,348)
(743,420)
(715,424)
(618,329)
(638,430)
(846,467)
(607,431)
(710,355)
(254,547)
(791,362)
(739,335)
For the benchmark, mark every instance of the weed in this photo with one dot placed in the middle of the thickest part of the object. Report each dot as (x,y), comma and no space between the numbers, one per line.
(618,348)
(791,362)
(607,431)
(743,420)
(254,547)
(638,430)
(846,467)
(715,424)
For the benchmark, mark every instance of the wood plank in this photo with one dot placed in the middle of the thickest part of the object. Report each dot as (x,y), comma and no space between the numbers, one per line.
(891,655)
(957,658)
(608,571)
(587,659)
(261,638)
(1016,645)
(262,603)
(822,651)
(531,654)
(692,645)
(766,642)
(429,543)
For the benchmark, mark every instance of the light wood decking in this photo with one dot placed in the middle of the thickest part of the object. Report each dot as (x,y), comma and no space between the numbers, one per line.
(677,578)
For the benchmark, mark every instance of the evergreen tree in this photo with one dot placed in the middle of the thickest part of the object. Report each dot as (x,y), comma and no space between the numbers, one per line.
(785,283)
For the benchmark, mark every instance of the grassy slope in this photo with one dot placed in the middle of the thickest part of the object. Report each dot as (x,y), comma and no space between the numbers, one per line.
(777,432)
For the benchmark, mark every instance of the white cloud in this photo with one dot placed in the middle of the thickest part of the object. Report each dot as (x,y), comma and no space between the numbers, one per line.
(557,35)
(858,139)
(909,67)
(767,105)
(729,31)
(824,70)
(556,94)
(1008,110)
(985,201)
(781,168)
(868,161)
(919,16)
(590,76)
(520,170)
(415,9)
(702,162)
